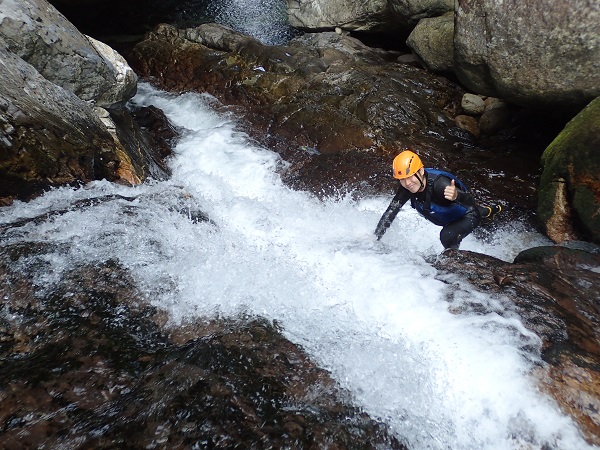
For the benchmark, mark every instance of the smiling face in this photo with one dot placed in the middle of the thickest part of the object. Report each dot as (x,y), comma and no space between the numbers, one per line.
(412,183)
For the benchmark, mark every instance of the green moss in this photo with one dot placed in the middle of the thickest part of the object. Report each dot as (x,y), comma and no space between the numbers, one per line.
(575,157)
(577,144)
(587,206)
(546,195)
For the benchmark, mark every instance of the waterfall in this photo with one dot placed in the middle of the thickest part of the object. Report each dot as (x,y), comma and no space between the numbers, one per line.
(375,314)
(265,20)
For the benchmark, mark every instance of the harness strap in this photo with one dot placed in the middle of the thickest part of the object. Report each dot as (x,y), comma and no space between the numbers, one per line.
(428,192)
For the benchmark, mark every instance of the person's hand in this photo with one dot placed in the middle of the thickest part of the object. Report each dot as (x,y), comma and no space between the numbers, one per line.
(450,193)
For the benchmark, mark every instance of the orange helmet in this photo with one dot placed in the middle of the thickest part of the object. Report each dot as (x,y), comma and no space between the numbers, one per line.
(406,164)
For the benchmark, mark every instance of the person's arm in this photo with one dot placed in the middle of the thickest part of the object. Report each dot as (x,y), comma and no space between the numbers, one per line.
(445,191)
(391,212)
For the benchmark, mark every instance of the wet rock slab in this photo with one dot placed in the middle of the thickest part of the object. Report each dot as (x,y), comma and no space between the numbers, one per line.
(87,364)
(555,292)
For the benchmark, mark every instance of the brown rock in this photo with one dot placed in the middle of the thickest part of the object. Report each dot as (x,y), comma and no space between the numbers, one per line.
(495,118)
(468,123)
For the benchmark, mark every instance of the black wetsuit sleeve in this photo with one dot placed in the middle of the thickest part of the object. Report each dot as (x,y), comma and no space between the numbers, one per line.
(464,198)
(391,212)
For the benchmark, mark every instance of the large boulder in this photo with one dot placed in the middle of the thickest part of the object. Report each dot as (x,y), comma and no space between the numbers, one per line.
(62,114)
(569,193)
(36,32)
(48,135)
(371,15)
(532,53)
(432,41)
(411,11)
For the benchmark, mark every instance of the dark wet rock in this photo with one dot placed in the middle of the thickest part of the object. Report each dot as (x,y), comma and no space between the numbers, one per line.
(496,117)
(149,137)
(534,53)
(569,194)
(554,291)
(326,91)
(87,363)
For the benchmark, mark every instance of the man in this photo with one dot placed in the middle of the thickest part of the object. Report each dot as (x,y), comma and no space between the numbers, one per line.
(437,195)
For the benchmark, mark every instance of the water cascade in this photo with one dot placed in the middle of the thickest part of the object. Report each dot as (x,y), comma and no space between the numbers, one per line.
(375,314)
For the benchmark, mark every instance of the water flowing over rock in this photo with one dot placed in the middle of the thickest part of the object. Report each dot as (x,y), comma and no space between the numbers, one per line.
(90,351)
(533,53)
(87,363)
(569,195)
(555,292)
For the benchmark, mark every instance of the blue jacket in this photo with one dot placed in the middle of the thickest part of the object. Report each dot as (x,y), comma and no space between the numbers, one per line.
(433,205)
(430,203)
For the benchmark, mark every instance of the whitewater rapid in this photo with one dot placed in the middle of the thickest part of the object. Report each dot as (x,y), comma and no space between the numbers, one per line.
(375,314)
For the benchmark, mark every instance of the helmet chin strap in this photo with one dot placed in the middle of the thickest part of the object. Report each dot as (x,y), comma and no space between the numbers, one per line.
(420,181)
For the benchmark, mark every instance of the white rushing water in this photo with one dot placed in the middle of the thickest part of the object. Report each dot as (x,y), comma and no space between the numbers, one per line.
(372,313)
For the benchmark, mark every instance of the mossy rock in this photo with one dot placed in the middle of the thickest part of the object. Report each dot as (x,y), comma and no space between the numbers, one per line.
(572,162)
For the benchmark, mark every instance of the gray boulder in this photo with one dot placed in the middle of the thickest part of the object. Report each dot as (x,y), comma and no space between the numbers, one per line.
(369,15)
(48,135)
(432,41)
(411,11)
(532,53)
(62,115)
(36,32)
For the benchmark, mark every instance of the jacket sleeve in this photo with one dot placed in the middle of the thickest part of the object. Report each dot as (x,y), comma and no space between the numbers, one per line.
(391,212)
(464,198)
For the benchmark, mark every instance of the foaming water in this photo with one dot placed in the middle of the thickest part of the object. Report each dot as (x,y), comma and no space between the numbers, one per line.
(373,313)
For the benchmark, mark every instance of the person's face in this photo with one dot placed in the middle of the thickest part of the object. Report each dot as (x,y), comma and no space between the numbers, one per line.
(412,183)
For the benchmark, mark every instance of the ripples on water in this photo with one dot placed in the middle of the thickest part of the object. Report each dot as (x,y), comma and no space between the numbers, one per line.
(265,20)
(375,314)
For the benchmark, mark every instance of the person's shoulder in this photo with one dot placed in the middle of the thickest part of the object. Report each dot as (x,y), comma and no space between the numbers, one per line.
(441,177)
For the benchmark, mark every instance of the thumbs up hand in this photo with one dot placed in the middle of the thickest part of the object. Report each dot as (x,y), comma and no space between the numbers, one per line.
(450,193)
